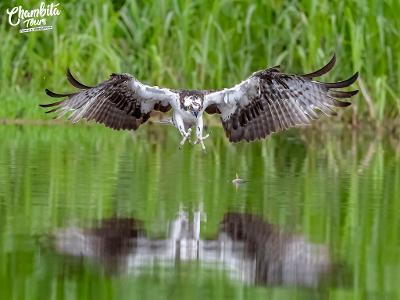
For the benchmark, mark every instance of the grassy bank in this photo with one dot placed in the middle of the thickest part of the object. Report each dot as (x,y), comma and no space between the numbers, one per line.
(203,44)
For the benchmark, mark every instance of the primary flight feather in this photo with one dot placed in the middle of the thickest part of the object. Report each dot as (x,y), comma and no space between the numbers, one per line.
(266,102)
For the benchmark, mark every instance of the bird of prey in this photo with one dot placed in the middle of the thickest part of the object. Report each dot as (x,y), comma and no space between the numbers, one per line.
(268,101)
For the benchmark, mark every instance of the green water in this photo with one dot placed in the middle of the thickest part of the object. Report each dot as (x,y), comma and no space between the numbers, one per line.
(336,191)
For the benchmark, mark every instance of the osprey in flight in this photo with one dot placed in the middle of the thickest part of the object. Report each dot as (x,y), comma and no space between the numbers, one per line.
(266,102)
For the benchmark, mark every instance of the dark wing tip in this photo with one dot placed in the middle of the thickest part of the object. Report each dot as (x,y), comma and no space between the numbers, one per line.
(55,95)
(51,104)
(341,103)
(341,94)
(341,84)
(75,82)
(325,69)
(52,110)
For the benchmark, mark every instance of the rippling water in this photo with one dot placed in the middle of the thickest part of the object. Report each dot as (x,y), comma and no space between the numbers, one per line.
(91,213)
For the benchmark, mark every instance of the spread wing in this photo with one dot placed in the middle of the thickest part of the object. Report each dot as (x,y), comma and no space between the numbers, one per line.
(270,101)
(121,102)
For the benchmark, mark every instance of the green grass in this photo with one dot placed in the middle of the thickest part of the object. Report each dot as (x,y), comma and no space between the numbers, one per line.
(203,44)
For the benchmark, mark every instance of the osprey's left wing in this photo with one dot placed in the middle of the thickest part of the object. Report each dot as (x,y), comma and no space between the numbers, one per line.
(121,102)
(270,101)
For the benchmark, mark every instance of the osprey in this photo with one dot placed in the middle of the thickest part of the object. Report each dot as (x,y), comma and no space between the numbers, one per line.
(266,102)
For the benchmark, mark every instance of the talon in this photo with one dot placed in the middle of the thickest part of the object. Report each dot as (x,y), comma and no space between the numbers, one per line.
(201,140)
(202,145)
(185,137)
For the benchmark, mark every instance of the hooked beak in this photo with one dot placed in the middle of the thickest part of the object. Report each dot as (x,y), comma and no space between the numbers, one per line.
(195,113)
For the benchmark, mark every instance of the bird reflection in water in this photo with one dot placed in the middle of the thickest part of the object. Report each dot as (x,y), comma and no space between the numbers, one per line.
(252,250)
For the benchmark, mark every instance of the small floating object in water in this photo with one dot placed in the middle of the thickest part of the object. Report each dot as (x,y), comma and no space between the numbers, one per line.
(238,181)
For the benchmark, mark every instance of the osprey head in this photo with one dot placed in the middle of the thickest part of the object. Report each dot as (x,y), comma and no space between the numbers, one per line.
(193,103)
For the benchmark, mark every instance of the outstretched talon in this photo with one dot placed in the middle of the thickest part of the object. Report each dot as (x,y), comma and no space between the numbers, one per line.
(201,140)
(185,137)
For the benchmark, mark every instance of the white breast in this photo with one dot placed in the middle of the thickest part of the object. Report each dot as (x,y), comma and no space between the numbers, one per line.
(187,117)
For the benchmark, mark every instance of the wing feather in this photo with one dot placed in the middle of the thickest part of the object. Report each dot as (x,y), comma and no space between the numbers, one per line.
(325,69)
(121,102)
(75,82)
(270,101)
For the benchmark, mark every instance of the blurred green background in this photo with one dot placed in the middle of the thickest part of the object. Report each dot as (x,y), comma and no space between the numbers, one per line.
(338,189)
(203,44)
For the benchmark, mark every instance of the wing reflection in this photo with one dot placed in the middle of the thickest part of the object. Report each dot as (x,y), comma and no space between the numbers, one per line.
(250,249)
(275,257)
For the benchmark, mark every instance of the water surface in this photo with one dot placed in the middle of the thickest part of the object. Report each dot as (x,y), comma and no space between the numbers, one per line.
(87,212)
